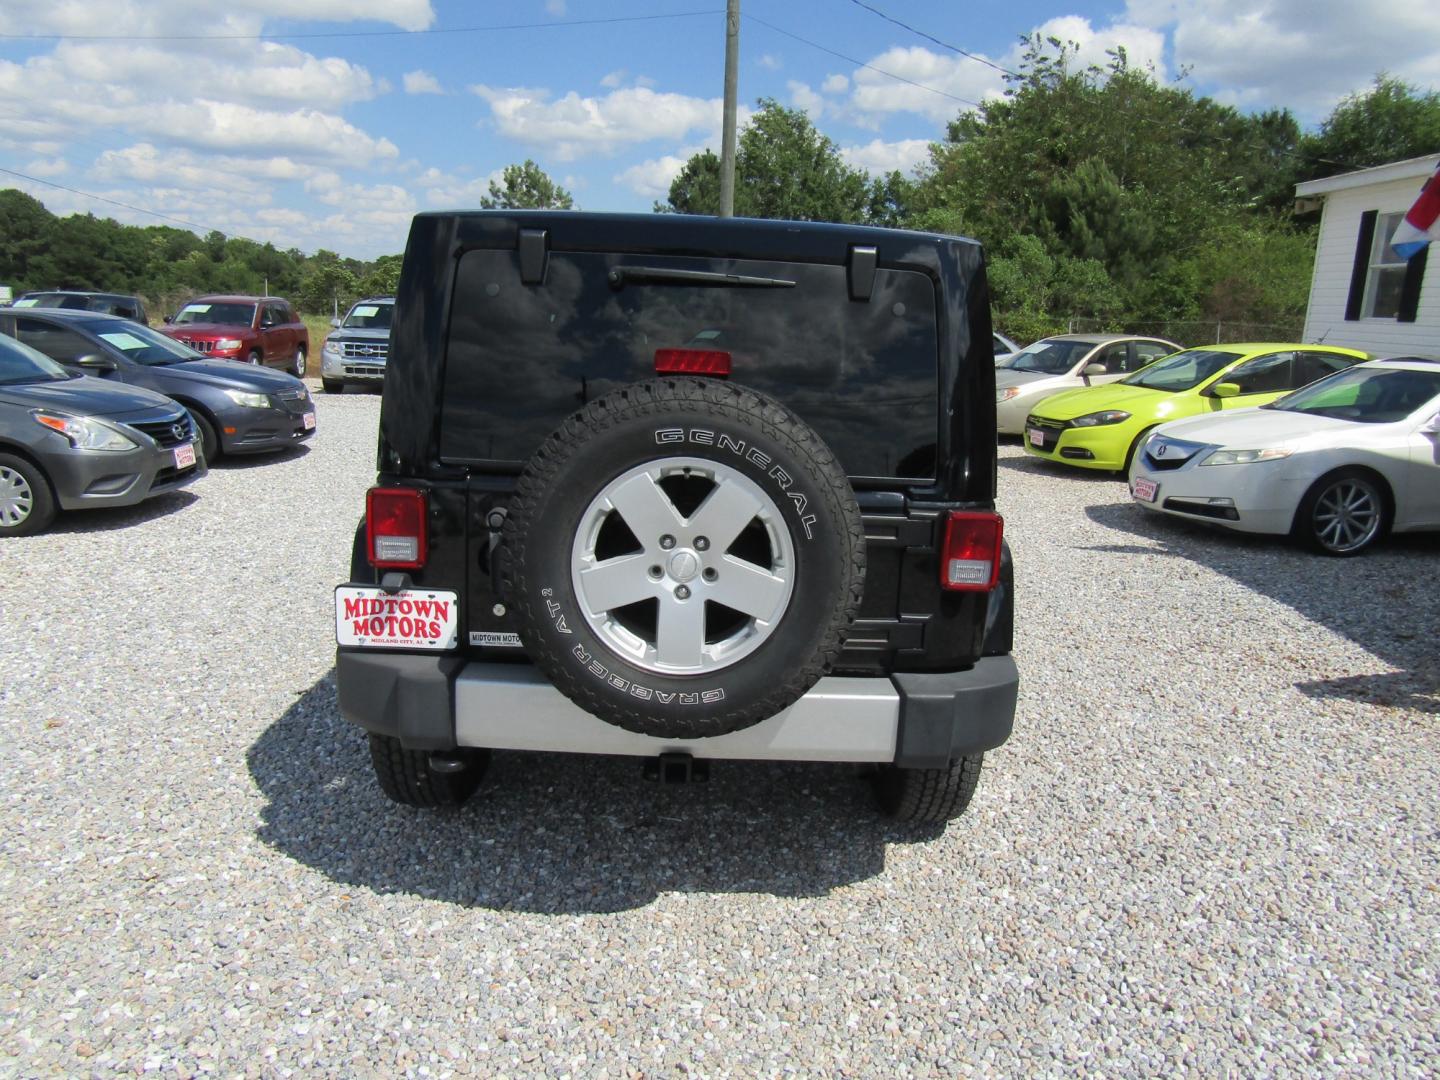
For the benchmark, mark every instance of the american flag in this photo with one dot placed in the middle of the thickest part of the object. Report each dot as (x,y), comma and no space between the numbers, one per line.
(1422,223)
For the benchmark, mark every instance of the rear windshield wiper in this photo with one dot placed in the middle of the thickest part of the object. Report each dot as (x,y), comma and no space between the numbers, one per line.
(619,275)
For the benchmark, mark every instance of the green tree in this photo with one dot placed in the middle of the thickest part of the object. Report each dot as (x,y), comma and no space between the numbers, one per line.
(383,278)
(526,187)
(327,283)
(1391,121)
(1111,172)
(785,168)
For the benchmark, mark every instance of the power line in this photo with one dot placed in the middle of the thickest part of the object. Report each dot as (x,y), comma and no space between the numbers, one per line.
(124,205)
(932,38)
(361,33)
(862,64)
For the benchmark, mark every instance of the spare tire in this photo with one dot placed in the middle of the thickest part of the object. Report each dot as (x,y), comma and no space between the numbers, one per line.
(683,557)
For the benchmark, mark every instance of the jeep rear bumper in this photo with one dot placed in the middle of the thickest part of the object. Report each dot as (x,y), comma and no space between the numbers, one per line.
(914,720)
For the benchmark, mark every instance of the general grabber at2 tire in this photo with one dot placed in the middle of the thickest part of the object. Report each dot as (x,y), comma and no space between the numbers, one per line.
(684,557)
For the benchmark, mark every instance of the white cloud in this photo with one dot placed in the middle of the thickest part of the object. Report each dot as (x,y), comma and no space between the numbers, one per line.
(939,86)
(306,134)
(421,82)
(652,178)
(555,7)
(178,17)
(1144,47)
(1305,54)
(574,126)
(769,62)
(45,167)
(880,157)
(835,84)
(805,99)
(614,80)
(145,163)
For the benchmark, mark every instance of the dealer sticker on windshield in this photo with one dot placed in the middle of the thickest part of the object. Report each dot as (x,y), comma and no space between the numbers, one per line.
(1145,490)
(370,617)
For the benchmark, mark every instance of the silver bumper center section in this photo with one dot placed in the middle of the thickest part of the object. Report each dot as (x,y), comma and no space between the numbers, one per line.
(513,707)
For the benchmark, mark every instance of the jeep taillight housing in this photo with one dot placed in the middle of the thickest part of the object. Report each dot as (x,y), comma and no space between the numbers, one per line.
(395,528)
(970,555)
(692,362)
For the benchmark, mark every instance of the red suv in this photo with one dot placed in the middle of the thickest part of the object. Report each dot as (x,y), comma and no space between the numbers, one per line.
(256,329)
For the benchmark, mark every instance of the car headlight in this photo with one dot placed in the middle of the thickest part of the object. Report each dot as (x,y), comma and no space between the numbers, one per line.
(1006,393)
(248,401)
(1096,419)
(331,348)
(1245,457)
(228,343)
(85,433)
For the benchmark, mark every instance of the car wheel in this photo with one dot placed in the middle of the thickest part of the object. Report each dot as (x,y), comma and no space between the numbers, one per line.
(254,357)
(27,505)
(1135,449)
(299,361)
(1343,513)
(333,386)
(209,440)
(927,795)
(412,778)
(684,558)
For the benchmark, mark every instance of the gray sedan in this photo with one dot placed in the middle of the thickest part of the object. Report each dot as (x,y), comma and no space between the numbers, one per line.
(71,442)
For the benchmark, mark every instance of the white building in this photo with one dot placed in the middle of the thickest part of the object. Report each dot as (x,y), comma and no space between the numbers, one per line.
(1364,295)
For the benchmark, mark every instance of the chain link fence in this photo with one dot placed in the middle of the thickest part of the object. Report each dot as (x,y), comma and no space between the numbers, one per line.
(1194,332)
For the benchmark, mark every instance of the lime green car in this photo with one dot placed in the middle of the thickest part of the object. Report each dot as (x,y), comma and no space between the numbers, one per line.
(1099,427)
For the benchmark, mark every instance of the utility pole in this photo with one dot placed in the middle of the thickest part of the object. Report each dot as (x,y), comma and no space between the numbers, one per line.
(727,135)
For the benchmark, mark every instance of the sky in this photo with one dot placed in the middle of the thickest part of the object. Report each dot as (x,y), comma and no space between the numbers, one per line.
(329,123)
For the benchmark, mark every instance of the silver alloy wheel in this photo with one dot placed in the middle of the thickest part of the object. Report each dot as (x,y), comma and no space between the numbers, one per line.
(685,565)
(16,498)
(1347,515)
(299,362)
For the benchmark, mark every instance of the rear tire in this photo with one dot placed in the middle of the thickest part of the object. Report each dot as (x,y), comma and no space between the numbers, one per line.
(299,361)
(27,505)
(254,357)
(406,777)
(923,796)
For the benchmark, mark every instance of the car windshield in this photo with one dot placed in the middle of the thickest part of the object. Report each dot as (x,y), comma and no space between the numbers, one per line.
(140,343)
(219,313)
(369,317)
(1051,357)
(1366,396)
(22,364)
(1183,370)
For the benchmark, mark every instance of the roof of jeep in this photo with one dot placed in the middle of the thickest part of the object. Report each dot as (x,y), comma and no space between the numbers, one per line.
(676,232)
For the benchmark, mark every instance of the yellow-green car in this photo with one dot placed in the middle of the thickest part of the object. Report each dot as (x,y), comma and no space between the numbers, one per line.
(1099,427)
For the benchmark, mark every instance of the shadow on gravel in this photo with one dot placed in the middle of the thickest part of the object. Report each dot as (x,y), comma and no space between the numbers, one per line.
(234,462)
(1041,467)
(562,833)
(107,519)
(1383,600)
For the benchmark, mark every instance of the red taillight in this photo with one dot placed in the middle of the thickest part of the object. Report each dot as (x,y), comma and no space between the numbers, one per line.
(970,557)
(395,527)
(692,362)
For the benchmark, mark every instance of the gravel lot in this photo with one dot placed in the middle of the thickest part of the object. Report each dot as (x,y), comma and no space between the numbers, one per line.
(1212,845)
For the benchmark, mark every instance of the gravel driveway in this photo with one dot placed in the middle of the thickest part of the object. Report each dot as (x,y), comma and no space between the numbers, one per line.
(1211,845)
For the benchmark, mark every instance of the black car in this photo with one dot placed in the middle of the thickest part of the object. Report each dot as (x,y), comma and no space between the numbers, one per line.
(238,408)
(72,442)
(127,307)
(685,489)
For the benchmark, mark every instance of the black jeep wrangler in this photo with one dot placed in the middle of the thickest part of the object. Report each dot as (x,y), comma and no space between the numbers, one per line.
(685,489)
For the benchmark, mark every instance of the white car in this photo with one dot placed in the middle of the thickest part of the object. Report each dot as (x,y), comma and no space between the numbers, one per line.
(1338,464)
(1067,362)
(1003,348)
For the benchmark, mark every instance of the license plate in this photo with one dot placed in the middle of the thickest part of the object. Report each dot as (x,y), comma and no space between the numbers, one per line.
(1145,490)
(185,456)
(309,421)
(1037,437)
(368,617)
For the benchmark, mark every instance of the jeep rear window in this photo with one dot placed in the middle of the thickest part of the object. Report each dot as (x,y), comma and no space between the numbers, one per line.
(523,357)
